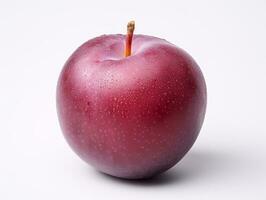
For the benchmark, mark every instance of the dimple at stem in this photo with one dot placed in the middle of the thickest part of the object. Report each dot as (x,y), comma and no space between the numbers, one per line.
(129,36)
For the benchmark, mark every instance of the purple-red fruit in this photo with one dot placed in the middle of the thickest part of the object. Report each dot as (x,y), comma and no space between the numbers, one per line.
(131,117)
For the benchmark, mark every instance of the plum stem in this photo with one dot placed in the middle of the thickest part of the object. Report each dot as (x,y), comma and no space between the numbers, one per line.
(129,36)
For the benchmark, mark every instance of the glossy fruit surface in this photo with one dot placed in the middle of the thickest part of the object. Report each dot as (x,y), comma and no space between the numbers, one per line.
(131,117)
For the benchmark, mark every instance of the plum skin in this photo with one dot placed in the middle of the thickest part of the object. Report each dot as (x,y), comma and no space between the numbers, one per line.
(131,117)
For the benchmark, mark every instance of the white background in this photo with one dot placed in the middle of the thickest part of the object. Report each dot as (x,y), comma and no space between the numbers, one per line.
(228,40)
